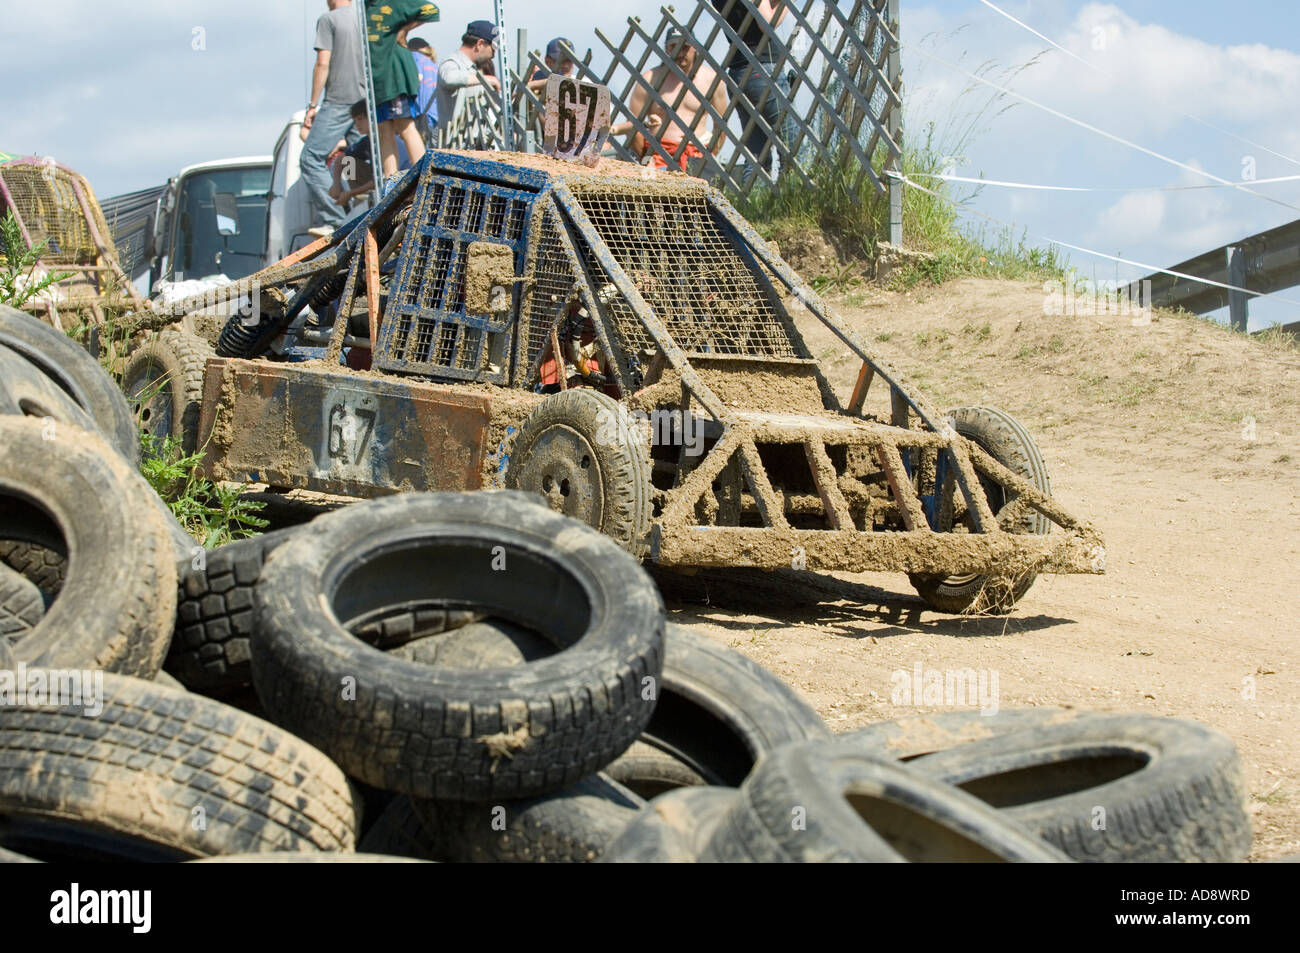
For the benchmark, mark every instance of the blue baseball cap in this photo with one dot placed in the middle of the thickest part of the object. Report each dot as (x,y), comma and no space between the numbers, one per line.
(553,48)
(483,30)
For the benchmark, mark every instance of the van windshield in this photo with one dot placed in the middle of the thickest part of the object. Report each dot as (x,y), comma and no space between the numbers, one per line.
(210,240)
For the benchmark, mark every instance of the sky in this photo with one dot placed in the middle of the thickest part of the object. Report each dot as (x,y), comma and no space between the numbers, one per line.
(129,93)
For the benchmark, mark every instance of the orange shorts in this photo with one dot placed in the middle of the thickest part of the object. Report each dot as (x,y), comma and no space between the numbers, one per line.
(690,152)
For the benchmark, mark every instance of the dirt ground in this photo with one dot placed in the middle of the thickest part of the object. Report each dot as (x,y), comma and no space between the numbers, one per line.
(1146,427)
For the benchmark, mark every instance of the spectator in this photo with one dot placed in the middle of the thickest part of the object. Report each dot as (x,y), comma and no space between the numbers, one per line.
(460,71)
(354,172)
(337,82)
(688,111)
(557,61)
(426,64)
(396,81)
(755,82)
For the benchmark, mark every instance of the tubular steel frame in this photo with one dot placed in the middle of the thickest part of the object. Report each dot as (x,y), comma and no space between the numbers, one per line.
(687,529)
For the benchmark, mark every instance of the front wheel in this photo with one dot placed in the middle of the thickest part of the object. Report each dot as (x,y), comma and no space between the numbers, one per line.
(1003,438)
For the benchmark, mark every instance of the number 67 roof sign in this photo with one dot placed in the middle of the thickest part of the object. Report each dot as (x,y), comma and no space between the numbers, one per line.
(575,123)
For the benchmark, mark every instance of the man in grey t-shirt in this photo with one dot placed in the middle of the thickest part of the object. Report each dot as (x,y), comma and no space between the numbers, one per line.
(458,72)
(337,82)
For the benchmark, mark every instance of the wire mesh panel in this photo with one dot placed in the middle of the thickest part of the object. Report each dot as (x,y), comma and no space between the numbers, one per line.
(45,199)
(552,283)
(426,329)
(669,243)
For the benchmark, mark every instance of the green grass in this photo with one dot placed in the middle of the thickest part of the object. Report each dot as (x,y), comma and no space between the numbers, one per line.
(844,206)
(19,282)
(213,513)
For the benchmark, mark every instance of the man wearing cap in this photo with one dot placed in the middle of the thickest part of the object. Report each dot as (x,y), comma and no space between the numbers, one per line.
(557,61)
(688,112)
(397,83)
(460,71)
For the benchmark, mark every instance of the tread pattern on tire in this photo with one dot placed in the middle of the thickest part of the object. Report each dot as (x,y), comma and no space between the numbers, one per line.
(153,755)
(21,604)
(183,357)
(216,614)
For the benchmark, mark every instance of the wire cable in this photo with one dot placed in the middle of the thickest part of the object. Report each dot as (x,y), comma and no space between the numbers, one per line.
(1094,67)
(1091,128)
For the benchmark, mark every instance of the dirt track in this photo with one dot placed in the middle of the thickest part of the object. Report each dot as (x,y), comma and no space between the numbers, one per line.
(1145,430)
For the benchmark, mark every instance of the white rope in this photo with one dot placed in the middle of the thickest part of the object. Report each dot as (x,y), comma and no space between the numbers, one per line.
(1097,69)
(1091,128)
(1089,251)
(1071,188)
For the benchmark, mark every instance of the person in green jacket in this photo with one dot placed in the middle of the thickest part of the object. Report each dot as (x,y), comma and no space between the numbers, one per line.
(396,81)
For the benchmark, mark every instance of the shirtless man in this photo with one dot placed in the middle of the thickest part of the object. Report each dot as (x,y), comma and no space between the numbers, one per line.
(689,111)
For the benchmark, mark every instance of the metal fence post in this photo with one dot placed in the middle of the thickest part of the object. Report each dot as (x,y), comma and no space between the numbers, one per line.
(503,76)
(1237,308)
(895,132)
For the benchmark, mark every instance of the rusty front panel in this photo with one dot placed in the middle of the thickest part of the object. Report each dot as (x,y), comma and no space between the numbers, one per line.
(339,432)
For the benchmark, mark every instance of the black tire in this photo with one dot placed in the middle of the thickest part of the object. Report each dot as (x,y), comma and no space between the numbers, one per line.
(215,615)
(163,380)
(453,733)
(399,832)
(21,605)
(717,713)
(74,494)
(573,826)
(480,643)
(819,801)
(1171,790)
(41,565)
(308,857)
(25,391)
(672,829)
(580,450)
(1004,439)
(77,373)
(906,738)
(137,780)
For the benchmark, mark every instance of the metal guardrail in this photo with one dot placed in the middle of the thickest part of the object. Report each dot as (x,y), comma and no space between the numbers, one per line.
(1259,265)
(830,100)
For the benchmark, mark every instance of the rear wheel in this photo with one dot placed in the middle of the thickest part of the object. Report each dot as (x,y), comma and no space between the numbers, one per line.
(1003,438)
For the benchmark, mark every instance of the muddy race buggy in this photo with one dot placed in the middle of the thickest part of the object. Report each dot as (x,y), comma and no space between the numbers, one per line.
(624,343)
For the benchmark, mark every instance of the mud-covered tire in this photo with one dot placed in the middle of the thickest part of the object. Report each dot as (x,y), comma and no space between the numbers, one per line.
(580,450)
(76,373)
(1008,442)
(456,733)
(575,825)
(21,605)
(117,608)
(672,829)
(26,391)
(216,616)
(133,780)
(163,380)
(1170,790)
(906,738)
(717,713)
(308,857)
(820,801)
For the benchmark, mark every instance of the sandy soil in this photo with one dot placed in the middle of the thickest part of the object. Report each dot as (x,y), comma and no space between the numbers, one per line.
(1146,428)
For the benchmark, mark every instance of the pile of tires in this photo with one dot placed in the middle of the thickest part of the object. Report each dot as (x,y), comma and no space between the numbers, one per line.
(466,678)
